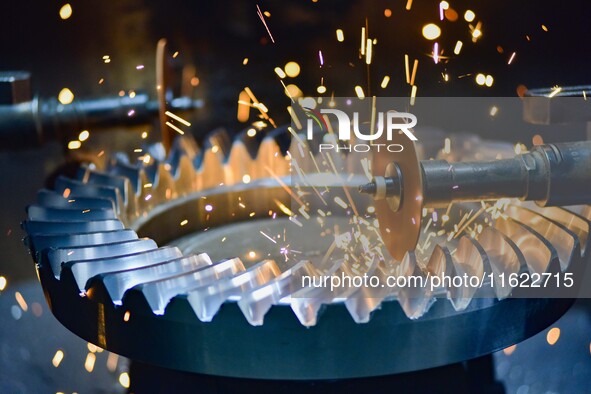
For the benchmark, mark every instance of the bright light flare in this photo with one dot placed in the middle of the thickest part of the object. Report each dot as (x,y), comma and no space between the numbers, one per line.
(124,380)
(72,145)
(359,92)
(292,69)
(83,136)
(553,336)
(57,358)
(469,16)
(65,96)
(431,31)
(66,11)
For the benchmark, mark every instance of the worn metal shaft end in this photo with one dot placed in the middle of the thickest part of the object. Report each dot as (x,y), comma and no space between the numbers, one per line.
(368,188)
(380,187)
(388,187)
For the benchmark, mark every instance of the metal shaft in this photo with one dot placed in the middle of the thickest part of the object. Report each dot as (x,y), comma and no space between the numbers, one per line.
(553,174)
(29,123)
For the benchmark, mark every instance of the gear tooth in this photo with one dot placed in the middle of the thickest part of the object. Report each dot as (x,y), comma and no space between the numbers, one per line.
(41,213)
(282,138)
(300,153)
(87,256)
(129,171)
(415,301)
(77,188)
(33,227)
(158,293)
(206,300)
(504,257)
(307,301)
(539,254)
(363,301)
(582,210)
(186,177)
(238,164)
(577,224)
(151,170)
(440,262)
(211,172)
(155,150)
(565,242)
(298,146)
(122,184)
(255,303)
(186,145)
(125,256)
(468,259)
(162,187)
(52,199)
(251,142)
(221,139)
(270,161)
(183,146)
(41,242)
(144,194)
(117,283)
(118,157)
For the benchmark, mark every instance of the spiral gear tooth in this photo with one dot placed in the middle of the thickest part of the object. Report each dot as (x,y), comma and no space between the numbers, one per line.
(117,283)
(257,302)
(574,222)
(72,188)
(207,300)
(51,199)
(183,146)
(211,171)
(122,184)
(415,301)
(160,292)
(159,190)
(307,301)
(540,256)
(367,299)
(131,172)
(41,213)
(239,164)
(469,259)
(301,153)
(186,176)
(504,256)
(440,262)
(564,241)
(219,140)
(270,161)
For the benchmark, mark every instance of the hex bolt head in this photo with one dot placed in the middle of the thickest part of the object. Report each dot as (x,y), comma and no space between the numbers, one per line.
(15,87)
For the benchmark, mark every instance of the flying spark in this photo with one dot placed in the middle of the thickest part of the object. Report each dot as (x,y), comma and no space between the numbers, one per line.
(262,17)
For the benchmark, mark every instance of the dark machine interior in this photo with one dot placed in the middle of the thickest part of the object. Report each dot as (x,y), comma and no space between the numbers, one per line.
(551,47)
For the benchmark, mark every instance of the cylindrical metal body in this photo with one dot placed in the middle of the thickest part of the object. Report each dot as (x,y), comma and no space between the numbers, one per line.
(553,174)
(444,182)
(29,123)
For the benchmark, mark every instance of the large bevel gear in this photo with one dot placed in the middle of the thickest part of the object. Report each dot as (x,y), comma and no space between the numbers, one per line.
(190,313)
